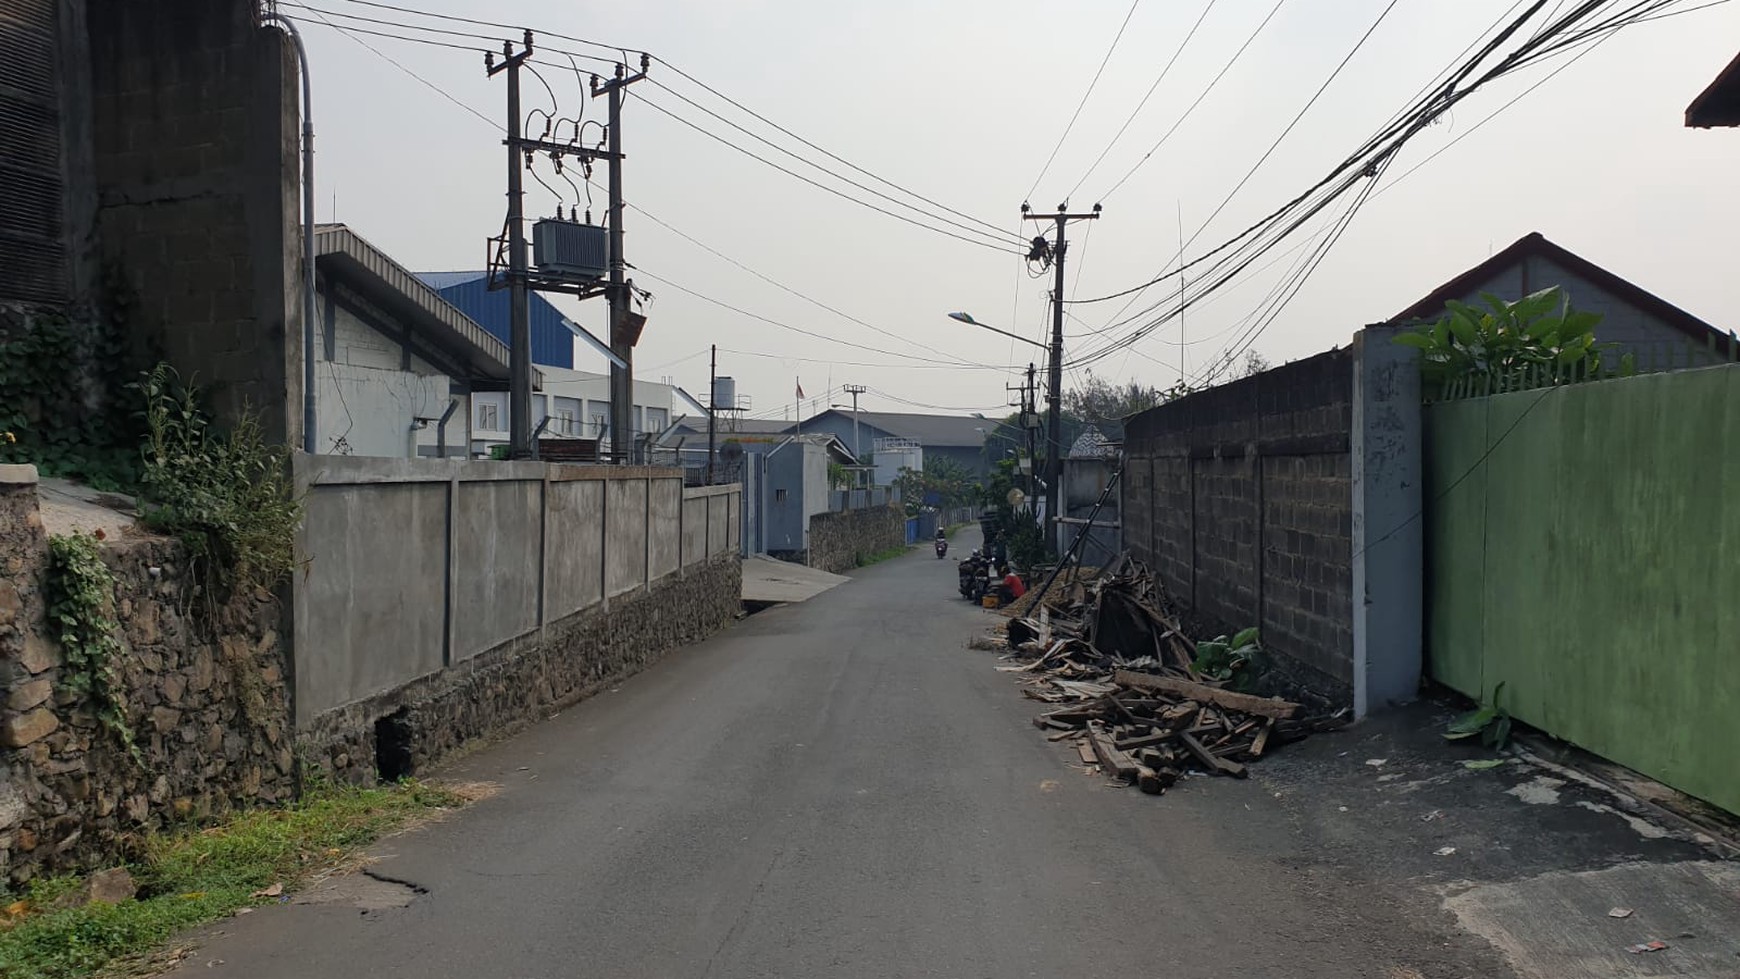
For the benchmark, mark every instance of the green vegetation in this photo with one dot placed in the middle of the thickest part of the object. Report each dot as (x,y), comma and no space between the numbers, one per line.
(1490,721)
(1239,660)
(227,497)
(865,560)
(943,483)
(195,876)
(1536,341)
(81,598)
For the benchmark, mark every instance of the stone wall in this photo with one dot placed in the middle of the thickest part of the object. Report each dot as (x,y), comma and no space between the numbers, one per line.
(204,689)
(842,541)
(522,681)
(1241,499)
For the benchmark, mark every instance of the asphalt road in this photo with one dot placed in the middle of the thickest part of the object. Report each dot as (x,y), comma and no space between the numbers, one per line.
(841,789)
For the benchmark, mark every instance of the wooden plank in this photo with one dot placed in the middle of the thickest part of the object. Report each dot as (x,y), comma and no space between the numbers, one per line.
(1149,741)
(1247,703)
(1214,763)
(1061,735)
(1086,751)
(1262,739)
(1113,761)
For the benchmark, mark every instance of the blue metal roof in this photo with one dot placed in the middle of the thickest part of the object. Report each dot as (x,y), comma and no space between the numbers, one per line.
(552,344)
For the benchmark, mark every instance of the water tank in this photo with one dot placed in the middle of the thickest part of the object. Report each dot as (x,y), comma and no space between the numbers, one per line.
(724,393)
(570,250)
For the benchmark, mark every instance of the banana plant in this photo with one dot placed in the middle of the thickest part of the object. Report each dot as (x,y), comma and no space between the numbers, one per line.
(1239,659)
(1490,722)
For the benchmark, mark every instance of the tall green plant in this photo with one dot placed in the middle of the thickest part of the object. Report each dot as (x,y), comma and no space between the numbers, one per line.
(1540,335)
(81,599)
(226,496)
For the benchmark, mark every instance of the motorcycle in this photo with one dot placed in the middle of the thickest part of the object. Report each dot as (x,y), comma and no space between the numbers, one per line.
(942,547)
(974,571)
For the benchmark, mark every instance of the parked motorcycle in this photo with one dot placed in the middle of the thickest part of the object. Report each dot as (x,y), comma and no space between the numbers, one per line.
(973,574)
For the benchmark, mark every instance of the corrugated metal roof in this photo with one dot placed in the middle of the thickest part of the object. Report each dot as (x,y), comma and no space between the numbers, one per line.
(552,344)
(938,430)
(424,305)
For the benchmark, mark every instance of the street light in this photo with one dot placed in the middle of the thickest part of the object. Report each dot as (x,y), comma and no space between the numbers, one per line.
(967,318)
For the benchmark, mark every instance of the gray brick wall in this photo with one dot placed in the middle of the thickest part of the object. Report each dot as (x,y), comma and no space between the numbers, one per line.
(194,130)
(1240,499)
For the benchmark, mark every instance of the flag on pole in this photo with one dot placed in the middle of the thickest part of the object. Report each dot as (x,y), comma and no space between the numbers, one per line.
(800,389)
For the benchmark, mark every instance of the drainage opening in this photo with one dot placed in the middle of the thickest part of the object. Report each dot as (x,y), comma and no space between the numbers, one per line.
(752,607)
(393,746)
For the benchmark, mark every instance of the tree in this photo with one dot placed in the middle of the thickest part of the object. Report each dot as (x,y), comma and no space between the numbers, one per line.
(1255,363)
(1098,401)
(946,481)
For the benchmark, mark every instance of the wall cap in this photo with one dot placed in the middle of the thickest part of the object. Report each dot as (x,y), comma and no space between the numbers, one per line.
(17,474)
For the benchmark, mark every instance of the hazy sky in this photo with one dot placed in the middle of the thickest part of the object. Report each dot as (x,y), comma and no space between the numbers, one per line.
(963,101)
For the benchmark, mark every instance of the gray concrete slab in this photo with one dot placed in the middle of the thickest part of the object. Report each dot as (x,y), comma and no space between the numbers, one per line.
(768,580)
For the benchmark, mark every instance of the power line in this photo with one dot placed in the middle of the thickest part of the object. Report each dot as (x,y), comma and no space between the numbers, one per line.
(838,159)
(819,186)
(1199,98)
(1150,94)
(808,333)
(780,285)
(1084,98)
(998,237)
(455,19)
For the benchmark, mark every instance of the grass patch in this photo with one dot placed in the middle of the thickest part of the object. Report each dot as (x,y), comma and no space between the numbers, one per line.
(865,560)
(191,877)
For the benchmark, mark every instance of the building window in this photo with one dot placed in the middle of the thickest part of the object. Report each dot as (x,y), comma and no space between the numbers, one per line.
(489,416)
(779,496)
(656,420)
(565,422)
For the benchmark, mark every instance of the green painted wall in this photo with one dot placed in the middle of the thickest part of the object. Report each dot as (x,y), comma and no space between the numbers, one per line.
(1592,562)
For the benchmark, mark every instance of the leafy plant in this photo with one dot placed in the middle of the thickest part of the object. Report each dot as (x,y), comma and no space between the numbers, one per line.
(839,477)
(1489,721)
(81,596)
(226,496)
(1540,338)
(1239,660)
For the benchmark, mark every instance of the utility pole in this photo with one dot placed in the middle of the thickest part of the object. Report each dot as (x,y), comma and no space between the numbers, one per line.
(712,409)
(1030,408)
(519,299)
(1054,422)
(622,335)
(857,446)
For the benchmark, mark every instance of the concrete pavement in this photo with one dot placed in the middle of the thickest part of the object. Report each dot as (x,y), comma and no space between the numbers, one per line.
(839,788)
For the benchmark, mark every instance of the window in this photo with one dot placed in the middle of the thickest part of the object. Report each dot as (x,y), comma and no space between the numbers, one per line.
(565,422)
(656,419)
(779,496)
(488,416)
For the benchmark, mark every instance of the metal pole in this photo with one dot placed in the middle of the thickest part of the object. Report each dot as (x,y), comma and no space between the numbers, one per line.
(621,378)
(519,298)
(712,409)
(1054,434)
(308,417)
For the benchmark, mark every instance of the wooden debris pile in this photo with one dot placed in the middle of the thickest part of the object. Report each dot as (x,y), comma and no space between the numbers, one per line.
(1119,675)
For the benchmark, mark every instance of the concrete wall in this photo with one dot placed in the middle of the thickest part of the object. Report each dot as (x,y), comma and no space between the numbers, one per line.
(1580,549)
(1240,498)
(415,566)
(1243,499)
(194,127)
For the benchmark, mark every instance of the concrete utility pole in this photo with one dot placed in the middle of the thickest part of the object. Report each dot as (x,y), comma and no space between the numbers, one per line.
(622,335)
(1054,422)
(857,446)
(519,298)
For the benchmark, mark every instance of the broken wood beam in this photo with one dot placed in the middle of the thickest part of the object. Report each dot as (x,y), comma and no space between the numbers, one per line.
(1113,761)
(1214,763)
(1244,702)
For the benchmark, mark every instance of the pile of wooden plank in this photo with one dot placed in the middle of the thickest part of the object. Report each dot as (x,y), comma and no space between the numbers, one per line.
(1118,673)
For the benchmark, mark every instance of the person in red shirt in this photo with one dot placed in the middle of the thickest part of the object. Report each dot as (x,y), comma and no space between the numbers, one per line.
(1012,586)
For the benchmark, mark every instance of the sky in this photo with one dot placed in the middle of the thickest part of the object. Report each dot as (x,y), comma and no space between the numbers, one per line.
(963,103)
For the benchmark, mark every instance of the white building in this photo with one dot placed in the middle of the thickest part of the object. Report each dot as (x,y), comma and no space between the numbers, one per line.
(397,368)
(577,404)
